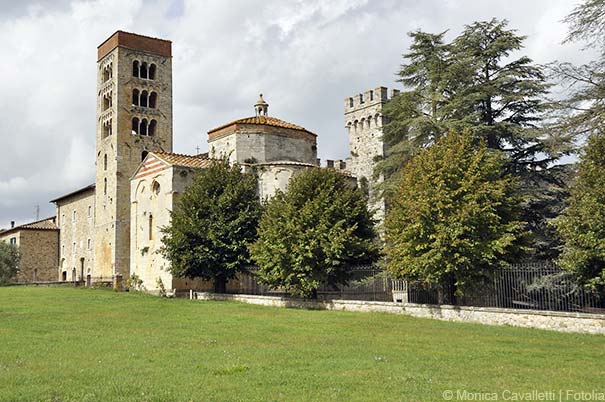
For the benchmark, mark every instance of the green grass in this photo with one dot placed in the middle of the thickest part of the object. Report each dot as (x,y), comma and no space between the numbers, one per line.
(62,344)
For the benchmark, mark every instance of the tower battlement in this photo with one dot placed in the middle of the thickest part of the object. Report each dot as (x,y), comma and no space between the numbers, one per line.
(372,97)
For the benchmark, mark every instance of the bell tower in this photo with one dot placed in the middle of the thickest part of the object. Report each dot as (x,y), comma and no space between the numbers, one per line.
(134,116)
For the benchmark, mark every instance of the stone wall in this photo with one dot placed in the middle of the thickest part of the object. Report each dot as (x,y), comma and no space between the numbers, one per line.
(75,218)
(548,320)
(273,177)
(39,254)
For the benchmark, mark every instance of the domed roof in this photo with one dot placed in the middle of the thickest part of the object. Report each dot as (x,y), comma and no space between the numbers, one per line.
(261,119)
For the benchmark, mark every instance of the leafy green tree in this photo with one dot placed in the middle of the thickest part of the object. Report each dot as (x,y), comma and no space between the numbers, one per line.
(212,225)
(454,217)
(9,262)
(311,234)
(582,224)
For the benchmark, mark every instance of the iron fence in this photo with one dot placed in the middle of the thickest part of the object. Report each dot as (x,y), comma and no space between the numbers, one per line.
(366,282)
(533,286)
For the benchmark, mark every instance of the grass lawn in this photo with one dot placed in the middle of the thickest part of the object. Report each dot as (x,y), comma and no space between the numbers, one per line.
(65,344)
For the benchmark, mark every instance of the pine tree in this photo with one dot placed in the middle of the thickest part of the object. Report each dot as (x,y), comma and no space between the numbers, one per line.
(472,83)
(454,217)
(313,233)
(212,225)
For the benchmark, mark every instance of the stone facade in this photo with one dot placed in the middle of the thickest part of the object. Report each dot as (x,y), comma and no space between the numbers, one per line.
(155,189)
(75,218)
(132,69)
(38,243)
(364,121)
(276,176)
(260,143)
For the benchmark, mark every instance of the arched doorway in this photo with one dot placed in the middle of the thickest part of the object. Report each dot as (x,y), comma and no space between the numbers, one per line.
(73,274)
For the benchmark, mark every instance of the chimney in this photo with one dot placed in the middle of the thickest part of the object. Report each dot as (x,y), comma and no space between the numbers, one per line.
(12,224)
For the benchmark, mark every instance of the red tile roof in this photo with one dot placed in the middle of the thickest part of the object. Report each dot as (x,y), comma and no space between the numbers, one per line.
(263,120)
(193,161)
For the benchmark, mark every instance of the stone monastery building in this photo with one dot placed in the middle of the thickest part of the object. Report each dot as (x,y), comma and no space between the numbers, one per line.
(111,229)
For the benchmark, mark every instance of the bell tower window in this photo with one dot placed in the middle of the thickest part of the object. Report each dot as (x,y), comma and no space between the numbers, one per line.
(153,97)
(151,128)
(135,97)
(143,70)
(152,71)
(107,130)
(143,99)
(135,126)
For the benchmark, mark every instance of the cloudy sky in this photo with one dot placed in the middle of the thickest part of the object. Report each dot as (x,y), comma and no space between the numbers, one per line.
(305,56)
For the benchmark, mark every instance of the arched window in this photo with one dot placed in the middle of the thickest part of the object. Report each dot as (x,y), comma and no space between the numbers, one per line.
(105,186)
(143,99)
(151,128)
(155,188)
(105,162)
(144,155)
(150,227)
(135,68)
(135,97)
(152,71)
(106,101)
(143,70)
(153,97)
(143,127)
(107,128)
(135,126)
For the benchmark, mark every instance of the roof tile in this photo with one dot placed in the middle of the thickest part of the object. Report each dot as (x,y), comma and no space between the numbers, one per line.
(262,120)
(192,161)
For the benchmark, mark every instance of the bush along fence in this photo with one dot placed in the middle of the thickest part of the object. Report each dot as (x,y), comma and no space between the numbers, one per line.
(533,286)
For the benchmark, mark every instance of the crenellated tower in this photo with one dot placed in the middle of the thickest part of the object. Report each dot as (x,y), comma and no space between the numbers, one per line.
(364,121)
(134,116)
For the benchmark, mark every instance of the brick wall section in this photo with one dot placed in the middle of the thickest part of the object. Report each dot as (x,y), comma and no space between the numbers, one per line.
(133,41)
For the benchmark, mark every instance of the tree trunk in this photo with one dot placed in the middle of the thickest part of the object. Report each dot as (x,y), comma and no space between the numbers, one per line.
(314,294)
(220,284)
